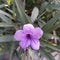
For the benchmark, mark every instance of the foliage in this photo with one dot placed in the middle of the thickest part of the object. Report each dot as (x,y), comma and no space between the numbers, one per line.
(15,13)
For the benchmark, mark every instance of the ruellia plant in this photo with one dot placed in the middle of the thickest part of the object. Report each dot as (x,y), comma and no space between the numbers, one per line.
(29,29)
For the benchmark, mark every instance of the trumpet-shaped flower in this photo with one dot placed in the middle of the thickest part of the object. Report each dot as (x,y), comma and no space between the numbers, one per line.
(29,36)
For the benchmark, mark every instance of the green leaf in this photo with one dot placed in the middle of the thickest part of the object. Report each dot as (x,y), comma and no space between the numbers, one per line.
(2,24)
(35,13)
(43,7)
(3,5)
(46,54)
(33,54)
(12,12)
(50,36)
(12,50)
(51,23)
(41,23)
(55,26)
(50,45)
(54,6)
(17,54)
(21,11)
(7,38)
(5,19)
(5,13)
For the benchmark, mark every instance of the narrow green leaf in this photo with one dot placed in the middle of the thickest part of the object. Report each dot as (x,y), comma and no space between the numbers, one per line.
(6,25)
(41,23)
(51,23)
(55,26)
(50,45)
(12,12)
(17,54)
(46,54)
(22,12)
(54,6)
(5,19)
(50,36)
(43,7)
(3,5)
(7,38)
(5,13)
(12,50)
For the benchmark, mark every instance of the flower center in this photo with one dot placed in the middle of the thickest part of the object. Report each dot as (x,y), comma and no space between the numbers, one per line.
(28,36)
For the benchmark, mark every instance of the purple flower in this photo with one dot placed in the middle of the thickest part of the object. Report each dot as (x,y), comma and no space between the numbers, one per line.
(29,36)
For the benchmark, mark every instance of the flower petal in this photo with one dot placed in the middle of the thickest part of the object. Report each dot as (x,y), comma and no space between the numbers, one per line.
(24,44)
(28,28)
(39,32)
(35,44)
(19,35)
